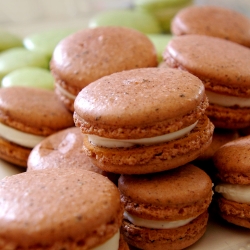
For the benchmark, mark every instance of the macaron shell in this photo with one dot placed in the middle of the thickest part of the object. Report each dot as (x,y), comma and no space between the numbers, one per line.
(94,216)
(219,22)
(14,153)
(171,195)
(222,66)
(149,159)
(232,161)
(233,212)
(36,111)
(114,106)
(9,40)
(92,53)
(171,239)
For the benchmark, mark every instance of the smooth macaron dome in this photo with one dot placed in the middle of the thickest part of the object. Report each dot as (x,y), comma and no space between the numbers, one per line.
(90,54)
(143,120)
(233,171)
(222,67)
(212,21)
(167,210)
(59,208)
(27,116)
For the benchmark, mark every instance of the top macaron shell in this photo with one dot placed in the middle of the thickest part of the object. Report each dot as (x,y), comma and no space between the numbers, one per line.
(32,110)
(87,55)
(212,21)
(140,103)
(54,208)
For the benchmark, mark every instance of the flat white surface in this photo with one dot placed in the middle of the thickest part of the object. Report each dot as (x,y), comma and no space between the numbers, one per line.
(8,169)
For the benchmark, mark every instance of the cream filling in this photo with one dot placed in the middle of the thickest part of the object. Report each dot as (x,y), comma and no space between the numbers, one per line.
(237,193)
(111,244)
(115,143)
(154,223)
(226,100)
(18,137)
(65,92)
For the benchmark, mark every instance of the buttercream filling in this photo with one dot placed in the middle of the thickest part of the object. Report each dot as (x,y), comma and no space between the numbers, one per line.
(19,137)
(234,192)
(154,223)
(65,92)
(116,143)
(226,100)
(111,244)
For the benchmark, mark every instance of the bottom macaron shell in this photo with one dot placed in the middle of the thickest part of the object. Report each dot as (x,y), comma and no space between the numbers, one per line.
(14,153)
(155,158)
(230,118)
(234,212)
(123,245)
(161,239)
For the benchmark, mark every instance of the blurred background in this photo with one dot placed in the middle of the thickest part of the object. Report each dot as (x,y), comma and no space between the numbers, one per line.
(27,16)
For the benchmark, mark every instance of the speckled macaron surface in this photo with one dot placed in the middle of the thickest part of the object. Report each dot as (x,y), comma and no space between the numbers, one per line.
(132,105)
(222,66)
(212,21)
(169,196)
(233,184)
(92,53)
(55,209)
(27,115)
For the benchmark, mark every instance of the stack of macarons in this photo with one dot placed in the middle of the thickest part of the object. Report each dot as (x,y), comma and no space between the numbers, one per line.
(147,125)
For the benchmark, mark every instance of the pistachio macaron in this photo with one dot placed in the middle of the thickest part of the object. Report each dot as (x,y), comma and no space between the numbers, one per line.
(92,53)
(167,210)
(63,149)
(60,209)
(143,120)
(222,67)
(27,116)
(233,185)
(214,21)
(9,40)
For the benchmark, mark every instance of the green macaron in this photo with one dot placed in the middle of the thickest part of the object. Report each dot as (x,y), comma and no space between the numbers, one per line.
(29,77)
(141,21)
(15,58)
(9,40)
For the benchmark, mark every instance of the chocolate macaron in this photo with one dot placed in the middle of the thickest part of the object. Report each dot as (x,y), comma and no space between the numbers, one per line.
(27,116)
(232,162)
(167,210)
(63,149)
(223,68)
(212,21)
(60,209)
(90,54)
(143,120)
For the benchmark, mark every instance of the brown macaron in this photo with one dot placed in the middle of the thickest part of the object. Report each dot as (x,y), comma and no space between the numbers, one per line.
(232,162)
(63,150)
(167,210)
(143,120)
(223,68)
(92,53)
(212,21)
(60,209)
(27,116)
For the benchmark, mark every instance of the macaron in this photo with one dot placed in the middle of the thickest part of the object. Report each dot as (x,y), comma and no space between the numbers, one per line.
(160,42)
(15,58)
(92,53)
(29,76)
(45,41)
(63,149)
(212,21)
(222,67)
(163,10)
(60,209)
(143,120)
(27,116)
(167,210)
(9,40)
(131,18)
(233,185)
